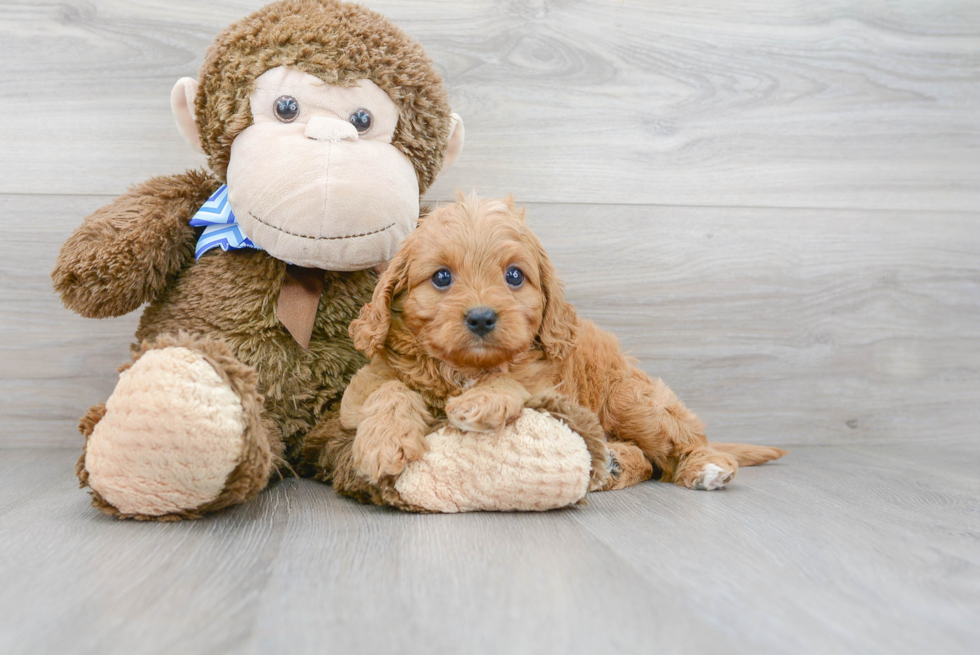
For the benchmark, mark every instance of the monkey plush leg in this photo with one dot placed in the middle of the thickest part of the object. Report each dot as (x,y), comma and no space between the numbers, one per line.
(548,458)
(182,434)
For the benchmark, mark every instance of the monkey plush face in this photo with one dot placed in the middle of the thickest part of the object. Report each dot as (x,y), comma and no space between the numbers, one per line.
(315,180)
(327,123)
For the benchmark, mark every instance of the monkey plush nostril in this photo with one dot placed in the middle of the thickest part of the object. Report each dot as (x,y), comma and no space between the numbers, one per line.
(321,128)
(481,320)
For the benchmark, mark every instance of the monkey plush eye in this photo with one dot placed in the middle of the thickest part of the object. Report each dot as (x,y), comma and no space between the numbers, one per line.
(361,119)
(442,279)
(286,108)
(514,277)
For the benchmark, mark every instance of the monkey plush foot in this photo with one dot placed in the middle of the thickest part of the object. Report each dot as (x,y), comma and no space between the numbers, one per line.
(180,435)
(535,463)
(550,457)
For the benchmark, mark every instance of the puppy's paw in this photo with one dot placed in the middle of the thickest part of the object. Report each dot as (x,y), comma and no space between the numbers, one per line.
(627,466)
(707,470)
(482,410)
(713,477)
(603,477)
(384,448)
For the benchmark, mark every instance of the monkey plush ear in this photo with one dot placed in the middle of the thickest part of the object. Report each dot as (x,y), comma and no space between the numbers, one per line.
(182,103)
(455,143)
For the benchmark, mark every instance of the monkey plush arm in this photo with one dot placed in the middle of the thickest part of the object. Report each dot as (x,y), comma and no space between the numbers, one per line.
(125,253)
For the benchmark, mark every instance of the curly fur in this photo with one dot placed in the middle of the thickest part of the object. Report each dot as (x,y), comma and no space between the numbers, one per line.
(417,333)
(329,457)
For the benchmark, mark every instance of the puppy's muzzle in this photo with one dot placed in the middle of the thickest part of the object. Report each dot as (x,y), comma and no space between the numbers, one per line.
(481,321)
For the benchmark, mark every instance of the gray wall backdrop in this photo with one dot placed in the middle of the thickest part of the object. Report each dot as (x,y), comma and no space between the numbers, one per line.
(774,204)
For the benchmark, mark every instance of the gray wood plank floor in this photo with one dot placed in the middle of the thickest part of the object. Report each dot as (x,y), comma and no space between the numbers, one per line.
(833,550)
(773,204)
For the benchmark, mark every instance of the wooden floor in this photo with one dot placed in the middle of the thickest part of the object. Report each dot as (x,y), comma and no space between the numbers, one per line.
(774,204)
(833,550)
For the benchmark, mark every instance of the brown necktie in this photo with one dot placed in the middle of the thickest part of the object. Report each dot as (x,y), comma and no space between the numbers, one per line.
(298,300)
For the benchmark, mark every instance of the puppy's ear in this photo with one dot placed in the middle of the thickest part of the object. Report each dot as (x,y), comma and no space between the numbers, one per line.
(559,323)
(370,329)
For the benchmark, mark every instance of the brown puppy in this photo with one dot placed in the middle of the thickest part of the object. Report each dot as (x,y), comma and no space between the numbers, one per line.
(470,320)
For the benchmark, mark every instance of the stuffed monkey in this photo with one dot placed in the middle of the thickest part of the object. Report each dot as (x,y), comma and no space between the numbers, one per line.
(323,124)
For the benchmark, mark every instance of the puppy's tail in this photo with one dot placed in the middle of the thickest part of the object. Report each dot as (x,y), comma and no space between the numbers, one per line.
(748,455)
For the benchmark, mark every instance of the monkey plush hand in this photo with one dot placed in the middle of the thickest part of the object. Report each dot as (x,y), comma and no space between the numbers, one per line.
(322,124)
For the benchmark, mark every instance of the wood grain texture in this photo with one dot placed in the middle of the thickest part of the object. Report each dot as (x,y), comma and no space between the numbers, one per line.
(772,203)
(777,326)
(828,551)
(740,103)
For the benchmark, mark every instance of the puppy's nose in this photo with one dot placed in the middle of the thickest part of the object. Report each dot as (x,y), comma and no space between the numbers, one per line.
(481,320)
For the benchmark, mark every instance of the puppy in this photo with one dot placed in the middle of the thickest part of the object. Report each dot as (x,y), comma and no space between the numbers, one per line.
(469,321)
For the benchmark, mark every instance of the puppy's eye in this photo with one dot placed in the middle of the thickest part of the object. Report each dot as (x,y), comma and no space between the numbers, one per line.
(361,120)
(442,279)
(514,277)
(286,108)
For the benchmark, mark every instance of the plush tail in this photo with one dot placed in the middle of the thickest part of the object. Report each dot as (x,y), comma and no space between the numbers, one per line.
(748,455)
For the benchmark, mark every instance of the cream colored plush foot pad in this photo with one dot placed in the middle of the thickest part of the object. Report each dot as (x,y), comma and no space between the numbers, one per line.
(537,463)
(172,433)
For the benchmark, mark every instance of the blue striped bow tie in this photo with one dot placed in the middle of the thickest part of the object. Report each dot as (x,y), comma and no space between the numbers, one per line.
(221,230)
